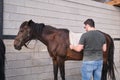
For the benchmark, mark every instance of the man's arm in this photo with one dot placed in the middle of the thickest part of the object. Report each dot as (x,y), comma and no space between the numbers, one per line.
(77,48)
(104,47)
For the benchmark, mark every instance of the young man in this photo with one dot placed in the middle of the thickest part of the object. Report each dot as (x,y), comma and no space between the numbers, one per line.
(93,44)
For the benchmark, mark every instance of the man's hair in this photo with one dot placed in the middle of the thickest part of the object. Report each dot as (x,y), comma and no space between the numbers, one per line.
(90,22)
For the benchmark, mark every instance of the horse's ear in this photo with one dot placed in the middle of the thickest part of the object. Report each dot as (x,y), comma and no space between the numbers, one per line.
(30,22)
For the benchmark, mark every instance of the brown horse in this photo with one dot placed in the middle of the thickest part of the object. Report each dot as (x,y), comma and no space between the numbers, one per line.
(57,42)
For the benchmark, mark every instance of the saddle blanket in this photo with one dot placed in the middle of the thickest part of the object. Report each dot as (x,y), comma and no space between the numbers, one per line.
(74,38)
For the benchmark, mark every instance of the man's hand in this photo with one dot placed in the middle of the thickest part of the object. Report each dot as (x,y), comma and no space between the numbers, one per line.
(71,46)
(77,48)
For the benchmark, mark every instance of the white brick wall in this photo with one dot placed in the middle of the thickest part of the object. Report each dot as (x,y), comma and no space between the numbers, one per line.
(35,64)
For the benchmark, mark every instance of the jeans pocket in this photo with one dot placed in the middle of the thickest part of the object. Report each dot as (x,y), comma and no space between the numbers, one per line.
(86,71)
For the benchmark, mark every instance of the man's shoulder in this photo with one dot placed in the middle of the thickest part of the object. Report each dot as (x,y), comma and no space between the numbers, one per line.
(84,34)
(100,33)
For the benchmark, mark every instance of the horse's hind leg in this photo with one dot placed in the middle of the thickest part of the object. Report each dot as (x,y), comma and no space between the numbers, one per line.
(55,69)
(61,64)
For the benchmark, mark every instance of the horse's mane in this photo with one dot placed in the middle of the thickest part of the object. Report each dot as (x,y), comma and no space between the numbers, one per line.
(23,24)
(36,27)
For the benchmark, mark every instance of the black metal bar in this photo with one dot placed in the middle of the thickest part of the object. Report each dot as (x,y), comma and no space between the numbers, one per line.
(1,18)
(9,36)
(116,39)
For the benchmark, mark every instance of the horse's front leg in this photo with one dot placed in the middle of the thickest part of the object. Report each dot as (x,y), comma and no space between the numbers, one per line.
(55,69)
(61,65)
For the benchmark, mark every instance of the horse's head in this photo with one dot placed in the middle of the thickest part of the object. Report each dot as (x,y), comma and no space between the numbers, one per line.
(24,35)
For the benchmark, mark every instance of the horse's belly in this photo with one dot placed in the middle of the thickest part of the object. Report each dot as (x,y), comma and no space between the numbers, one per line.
(73,55)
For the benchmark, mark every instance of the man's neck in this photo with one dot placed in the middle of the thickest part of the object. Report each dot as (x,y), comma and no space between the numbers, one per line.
(91,29)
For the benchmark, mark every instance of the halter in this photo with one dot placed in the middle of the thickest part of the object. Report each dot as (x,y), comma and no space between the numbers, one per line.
(28,43)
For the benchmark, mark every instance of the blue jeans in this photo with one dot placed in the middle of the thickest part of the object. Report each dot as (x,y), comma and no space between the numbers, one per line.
(91,69)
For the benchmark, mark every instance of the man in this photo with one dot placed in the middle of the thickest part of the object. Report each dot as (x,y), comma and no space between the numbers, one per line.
(93,44)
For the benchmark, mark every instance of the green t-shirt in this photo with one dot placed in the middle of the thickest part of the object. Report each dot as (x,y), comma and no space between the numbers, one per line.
(93,42)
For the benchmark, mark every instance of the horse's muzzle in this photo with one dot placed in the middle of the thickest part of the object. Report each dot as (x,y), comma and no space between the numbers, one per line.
(17,47)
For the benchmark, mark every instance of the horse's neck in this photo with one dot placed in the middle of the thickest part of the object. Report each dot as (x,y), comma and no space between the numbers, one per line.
(47,34)
(42,38)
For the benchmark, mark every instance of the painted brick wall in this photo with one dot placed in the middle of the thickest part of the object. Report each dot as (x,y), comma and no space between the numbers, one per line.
(35,64)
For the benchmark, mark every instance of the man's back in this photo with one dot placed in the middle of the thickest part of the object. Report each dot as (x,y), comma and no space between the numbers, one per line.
(93,42)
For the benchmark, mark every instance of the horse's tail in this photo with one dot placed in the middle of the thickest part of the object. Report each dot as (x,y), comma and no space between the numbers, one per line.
(109,66)
(2,60)
(110,63)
